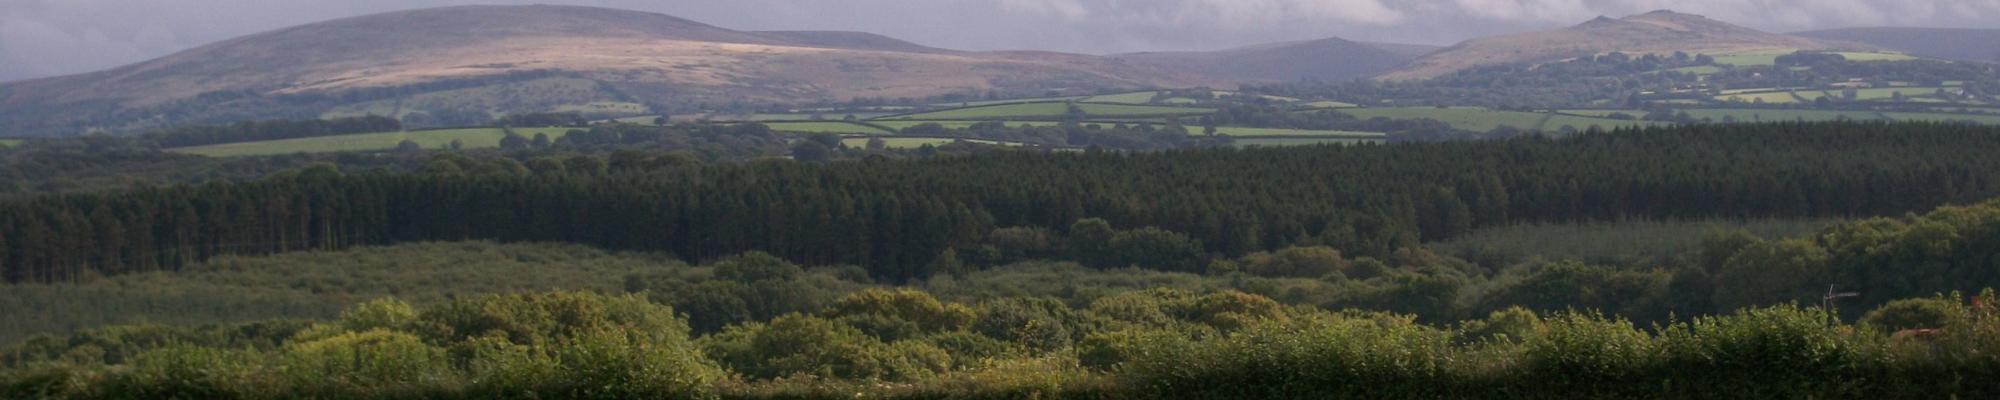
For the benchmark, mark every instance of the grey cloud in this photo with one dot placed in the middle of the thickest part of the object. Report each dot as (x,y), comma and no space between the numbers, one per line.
(49,37)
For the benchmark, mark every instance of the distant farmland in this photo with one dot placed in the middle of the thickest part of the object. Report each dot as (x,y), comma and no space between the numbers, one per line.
(476,138)
(1482,120)
(826,127)
(1050,110)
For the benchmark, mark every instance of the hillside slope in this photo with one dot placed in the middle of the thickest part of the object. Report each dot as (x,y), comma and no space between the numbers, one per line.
(617,55)
(1654,32)
(1978,45)
(1328,59)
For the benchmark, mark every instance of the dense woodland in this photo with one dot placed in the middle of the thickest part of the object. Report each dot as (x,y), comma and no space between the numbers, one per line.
(1326,271)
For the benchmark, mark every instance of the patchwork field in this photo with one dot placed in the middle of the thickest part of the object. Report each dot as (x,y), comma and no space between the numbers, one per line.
(478,138)
(827,127)
(901,125)
(916,142)
(1301,141)
(1765,58)
(1051,110)
(1482,119)
(1241,131)
(1761,97)
(1125,98)
(1330,104)
(1760,115)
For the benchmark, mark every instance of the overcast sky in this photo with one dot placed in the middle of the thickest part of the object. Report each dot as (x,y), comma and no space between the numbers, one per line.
(54,37)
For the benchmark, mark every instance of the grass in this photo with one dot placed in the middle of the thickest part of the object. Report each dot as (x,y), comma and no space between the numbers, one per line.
(1051,110)
(1698,70)
(1125,98)
(1988,119)
(1630,242)
(1601,113)
(10,142)
(916,142)
(1331,104)
(316,285)
(1890,92)
(900,125)
(831,116)
(1770,57)
(1301,141)
(475,138)
(1760,115)
(847,128)
(1241,131)
(605,107)
(1764,97)
(1482,120)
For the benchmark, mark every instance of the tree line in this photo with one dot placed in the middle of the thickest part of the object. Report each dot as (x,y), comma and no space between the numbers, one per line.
(898,218)
(254,131)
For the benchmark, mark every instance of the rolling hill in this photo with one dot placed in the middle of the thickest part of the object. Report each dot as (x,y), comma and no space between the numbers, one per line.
(1325,59)
(529,58)
(1655,32)
(1978,45)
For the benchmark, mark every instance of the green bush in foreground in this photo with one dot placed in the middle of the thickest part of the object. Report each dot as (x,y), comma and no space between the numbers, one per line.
(1159,343)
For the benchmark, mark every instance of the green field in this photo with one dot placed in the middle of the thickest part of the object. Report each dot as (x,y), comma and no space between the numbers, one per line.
(1763,97)
(1770,57)
(1601,113)
(1300,141)
(1988,119)
(916,142)
(9,142)
(1482,120)
(1759,115)
(1698,70)
(1241,131)
(1051,110)
(760,117)
(1125,98)
(1011,101)
(826,127)
(1331,104)
(901,125)
(1890,92)
(476,138)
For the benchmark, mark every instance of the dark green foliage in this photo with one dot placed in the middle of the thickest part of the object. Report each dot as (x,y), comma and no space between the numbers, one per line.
(896,217)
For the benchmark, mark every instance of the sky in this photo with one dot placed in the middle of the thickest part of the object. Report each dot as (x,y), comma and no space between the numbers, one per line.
(56,37)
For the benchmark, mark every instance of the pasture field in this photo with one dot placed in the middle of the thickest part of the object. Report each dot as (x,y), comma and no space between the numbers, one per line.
(1890,92)
(1988,119)
(1763,97)
(1465,118)
(1482,120)
(475,138)
(1770,57)
(1241,131)
(1558,121)
(1616,242)
(795,117)
(605,107)
(901,125)
(9,142)
(1697,70)
(1601,113)
(1331,104)
(1125,98)
(1762,115)
(836,127)
(1051,110)
(1011,101)
(916,142)
(1301,141)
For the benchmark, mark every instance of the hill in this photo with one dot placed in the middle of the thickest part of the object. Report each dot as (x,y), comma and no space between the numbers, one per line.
(1979,45)
(1325,59)
(851,41)
(508,55)
(1655,32)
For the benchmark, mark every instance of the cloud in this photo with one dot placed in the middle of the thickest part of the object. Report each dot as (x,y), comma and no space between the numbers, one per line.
(46,37)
